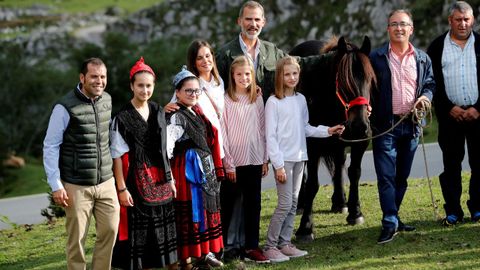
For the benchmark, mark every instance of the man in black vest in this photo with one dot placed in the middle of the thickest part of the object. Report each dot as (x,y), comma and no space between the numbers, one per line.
(78,164)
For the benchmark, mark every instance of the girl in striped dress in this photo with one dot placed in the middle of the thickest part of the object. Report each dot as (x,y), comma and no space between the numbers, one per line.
(245,161)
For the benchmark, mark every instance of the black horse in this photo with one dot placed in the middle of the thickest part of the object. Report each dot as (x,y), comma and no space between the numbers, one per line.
(338,92)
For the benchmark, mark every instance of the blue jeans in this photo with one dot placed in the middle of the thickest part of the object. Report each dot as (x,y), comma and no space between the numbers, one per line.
(393,157)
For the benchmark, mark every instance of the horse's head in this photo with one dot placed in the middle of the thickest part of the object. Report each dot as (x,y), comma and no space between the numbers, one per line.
(355,79)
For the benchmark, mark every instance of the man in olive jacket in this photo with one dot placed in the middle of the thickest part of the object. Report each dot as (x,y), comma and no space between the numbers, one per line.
(264,54)
(78,164)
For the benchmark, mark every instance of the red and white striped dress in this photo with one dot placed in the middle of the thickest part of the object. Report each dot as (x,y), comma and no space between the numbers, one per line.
(243,129)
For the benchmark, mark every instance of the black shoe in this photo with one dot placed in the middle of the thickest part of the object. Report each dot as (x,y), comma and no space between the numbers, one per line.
(231,255)
(476,216)
(451,220)
(402,227)
(386,235)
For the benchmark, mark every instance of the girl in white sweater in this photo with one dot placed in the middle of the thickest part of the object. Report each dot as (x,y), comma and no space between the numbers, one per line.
(286,119)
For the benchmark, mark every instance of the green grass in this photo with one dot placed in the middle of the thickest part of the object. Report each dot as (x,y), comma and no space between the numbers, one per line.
(80,6)
(337,245)
(28,180)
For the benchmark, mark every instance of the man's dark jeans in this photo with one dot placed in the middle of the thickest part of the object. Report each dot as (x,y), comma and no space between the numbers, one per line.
(393,157)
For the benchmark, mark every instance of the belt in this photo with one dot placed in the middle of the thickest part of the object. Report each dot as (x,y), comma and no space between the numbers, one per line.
(466,106)
(407,116)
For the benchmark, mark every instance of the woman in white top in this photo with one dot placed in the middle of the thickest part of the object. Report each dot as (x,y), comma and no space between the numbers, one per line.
(286,120)
(201,62)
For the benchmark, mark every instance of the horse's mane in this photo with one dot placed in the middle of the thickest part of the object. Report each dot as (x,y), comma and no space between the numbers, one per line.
(347,79)
(345,68)
(330,45)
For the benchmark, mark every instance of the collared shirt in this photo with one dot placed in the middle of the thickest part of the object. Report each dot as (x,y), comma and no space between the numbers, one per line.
(459,68)
(57,125)
(245,51)
(404,80)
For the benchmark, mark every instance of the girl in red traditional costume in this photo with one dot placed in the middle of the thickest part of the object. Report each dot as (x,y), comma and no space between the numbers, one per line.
(192,143)
(147,234)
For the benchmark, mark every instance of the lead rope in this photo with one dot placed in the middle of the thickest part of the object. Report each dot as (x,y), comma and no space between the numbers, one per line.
(418,115)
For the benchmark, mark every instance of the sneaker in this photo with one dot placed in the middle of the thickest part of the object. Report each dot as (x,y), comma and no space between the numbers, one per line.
(275,256)
(402,227)
(386,235)
(292,252)
(476,216)
(212,261)
(450,220)
(256,255)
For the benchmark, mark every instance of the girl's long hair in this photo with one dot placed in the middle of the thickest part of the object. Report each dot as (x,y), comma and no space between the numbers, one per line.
(279,82)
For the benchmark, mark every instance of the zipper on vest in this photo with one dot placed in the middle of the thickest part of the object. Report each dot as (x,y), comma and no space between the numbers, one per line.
(97,143)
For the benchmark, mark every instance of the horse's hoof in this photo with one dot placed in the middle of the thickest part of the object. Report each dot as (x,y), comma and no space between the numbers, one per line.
(339,209)
(305,238)
(356,221)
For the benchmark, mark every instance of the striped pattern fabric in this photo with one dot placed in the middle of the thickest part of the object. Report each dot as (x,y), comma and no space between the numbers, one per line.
(459,68)
(404,80)
(243,128)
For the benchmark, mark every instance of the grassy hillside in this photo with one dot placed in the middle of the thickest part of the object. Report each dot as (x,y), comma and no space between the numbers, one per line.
(337,246)
(79,6)
(28,180)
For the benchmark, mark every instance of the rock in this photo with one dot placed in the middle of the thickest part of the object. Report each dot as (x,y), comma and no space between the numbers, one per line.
(14,162)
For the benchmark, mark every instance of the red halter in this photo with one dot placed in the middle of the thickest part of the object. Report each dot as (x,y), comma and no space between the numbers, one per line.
(358,101)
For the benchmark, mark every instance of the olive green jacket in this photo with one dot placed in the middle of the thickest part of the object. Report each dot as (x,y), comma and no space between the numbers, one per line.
(267,60)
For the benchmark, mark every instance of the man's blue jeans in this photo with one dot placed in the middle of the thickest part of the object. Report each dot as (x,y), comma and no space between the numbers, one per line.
(393,157)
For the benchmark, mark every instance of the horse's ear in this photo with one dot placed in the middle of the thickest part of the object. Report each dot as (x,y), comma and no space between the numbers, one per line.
(366,46)
(342,45)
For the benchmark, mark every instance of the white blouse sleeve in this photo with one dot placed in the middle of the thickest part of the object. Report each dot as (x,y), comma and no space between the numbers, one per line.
(118,146)
(175,131)
(320,131)
(271,129)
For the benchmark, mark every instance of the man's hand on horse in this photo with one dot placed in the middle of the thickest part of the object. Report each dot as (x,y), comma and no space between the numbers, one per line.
(369,110)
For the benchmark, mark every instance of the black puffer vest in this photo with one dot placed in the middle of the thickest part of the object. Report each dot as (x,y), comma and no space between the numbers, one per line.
(85,154)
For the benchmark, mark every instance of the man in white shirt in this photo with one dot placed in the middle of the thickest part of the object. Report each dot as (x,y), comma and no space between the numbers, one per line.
(78,164)
(456,66)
